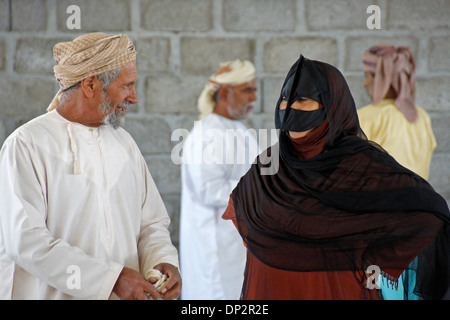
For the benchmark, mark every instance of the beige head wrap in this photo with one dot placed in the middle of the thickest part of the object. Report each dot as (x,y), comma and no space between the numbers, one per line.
(231,73)
(89,55)
(393,66)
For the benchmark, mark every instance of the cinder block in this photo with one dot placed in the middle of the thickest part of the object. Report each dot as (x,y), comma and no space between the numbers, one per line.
(271,93)
(418,14)
(203,55)
(4,15)
(359,93)
(2,55)
(432,93)
(165,173)
(3,133)
(184,121)
(259,15)
(438,57)
(29,15)
(176,15)
(440,174)
(25,96)
(153,54)
(35,55)
(338,14)
(173,94)
(281,53)
(440,124)
(152,134)
(100,15)
(172,204)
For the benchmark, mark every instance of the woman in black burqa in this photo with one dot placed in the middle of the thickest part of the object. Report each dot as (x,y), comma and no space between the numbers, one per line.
(337,205)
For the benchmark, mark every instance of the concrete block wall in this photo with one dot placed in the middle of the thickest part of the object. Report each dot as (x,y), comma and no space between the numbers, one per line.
(181,42)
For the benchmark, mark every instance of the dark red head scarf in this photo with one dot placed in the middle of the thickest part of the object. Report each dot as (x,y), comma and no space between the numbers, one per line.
(347,208)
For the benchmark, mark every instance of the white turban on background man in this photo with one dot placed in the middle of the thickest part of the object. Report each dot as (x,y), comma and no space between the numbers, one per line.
(231,73)
(89,55)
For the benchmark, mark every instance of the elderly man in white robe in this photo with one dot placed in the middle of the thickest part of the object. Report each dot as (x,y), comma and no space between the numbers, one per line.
(80,215)
(216,153)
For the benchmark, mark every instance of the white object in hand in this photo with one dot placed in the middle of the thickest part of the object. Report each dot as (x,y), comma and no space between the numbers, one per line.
(161,278)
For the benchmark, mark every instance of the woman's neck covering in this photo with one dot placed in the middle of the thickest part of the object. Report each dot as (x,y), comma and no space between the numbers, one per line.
(231,73)
(393,67)
(89,55)
(312,144)
(344,209)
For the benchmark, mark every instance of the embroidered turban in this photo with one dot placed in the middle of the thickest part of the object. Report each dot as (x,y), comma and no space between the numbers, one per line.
(231,73)
(89,55)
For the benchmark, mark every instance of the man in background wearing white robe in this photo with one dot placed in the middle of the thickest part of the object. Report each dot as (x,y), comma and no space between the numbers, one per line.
(80,215)
(216,154)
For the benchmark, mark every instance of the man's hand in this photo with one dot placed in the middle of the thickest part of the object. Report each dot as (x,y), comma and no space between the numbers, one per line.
(172,287)
(131,285)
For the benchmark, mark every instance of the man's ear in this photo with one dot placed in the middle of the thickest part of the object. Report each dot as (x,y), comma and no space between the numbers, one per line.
(89,85)
(224,93)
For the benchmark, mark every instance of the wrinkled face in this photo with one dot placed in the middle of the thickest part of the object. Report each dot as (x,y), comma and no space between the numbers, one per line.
(303,104)
(120,94)
(240,100)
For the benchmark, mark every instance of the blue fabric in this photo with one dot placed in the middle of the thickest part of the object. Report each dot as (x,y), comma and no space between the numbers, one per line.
(405,287)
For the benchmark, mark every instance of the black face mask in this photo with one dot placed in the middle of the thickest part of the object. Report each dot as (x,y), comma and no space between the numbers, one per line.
(300,120)
(301,82)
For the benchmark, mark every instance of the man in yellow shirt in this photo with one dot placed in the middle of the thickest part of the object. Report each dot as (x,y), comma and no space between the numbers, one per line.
(396,123)
(393,120)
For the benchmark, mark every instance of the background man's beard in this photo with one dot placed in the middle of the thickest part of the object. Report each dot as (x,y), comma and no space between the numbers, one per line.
(112,118)
(240,114)
(237,113)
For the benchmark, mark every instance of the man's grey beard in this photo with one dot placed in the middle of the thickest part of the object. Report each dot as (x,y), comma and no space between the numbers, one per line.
(240,114)
(114,119)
